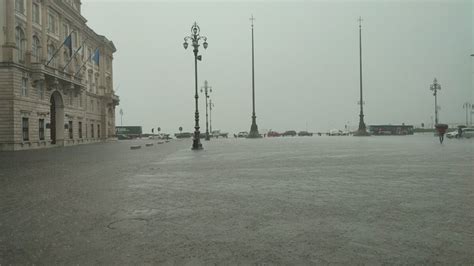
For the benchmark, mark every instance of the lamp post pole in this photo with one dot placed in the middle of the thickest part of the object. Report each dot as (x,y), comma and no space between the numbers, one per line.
(121,116)
(467,106)
(435,87)
(253,128)
(210,114)
(195,38)
(362,131)
(207,90)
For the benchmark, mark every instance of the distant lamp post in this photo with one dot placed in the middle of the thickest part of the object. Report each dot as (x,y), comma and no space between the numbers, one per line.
(206,90)
(194,38)
(468,107)
(362,131)
(435,87)
(121,116)
(211,104)
(253,128)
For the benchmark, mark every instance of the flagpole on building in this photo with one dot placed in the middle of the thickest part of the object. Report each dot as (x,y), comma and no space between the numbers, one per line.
(95,53)
(74,55)
(61,46)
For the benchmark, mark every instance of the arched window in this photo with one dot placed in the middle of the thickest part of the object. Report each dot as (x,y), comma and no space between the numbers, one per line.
(35,49)
(20,43)
(51,51)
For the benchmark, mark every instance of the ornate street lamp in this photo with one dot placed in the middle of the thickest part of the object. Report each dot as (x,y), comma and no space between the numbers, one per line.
(194,38)
(435,87)
(207,90)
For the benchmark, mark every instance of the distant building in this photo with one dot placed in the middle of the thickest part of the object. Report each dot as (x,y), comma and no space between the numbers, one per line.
(66,102)
(391,130)
(128,132)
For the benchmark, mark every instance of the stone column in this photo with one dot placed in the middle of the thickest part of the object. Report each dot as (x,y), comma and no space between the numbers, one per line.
(44,30)
(29,30)
(9,46)
(102,83)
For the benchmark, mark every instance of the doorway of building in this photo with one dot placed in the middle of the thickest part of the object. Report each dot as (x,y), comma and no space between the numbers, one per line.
(57,118)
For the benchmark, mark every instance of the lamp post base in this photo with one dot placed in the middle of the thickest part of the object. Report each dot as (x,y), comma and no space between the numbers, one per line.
(196,146)
(207,136)
(362,131)
(254,131)
(196,142)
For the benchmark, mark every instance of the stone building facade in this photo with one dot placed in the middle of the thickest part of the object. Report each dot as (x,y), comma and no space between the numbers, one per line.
(52,95)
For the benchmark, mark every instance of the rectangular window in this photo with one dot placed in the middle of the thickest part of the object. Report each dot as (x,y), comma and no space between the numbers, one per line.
(79,130)
(90,82)
(75,40)
(20,6)
(25,129)
(98,131)
(65,30)
(41,129)
(92,130)
(52,23)
(86,131)
(24,87)
(70,130)
(36,13)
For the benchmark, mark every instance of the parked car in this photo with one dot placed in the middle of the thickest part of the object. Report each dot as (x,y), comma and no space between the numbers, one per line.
(242,134)
(273,134)
(289,133)
(452,134)
(217,133)
(305,133)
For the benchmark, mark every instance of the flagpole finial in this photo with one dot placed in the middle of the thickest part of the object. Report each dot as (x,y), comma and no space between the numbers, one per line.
(360,21)
(252,19)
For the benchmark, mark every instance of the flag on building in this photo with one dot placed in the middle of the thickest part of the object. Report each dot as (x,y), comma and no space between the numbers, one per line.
(68,43)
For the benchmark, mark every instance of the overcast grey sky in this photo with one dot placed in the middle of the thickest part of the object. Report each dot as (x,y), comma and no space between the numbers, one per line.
(306,61)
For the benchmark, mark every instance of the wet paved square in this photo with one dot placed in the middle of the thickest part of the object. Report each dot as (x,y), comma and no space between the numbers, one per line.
(302,200)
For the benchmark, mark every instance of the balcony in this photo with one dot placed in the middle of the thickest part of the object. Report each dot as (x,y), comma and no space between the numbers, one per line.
(112,98)
(55,77)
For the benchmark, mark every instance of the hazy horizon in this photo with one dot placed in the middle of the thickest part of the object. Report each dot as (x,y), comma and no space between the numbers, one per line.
(306,62)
